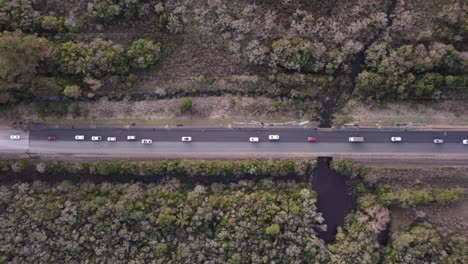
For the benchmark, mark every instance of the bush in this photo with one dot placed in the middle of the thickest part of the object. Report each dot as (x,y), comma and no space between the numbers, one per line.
(413,197)
(294,54)
(101,58)
(45,87)
(73,91)
(144,53)
(185,106)
(273,229)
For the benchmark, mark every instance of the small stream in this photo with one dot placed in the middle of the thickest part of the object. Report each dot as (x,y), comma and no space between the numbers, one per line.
(338,96)
(334,200)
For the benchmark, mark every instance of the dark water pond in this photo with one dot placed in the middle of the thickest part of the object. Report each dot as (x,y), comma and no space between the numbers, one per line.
(334,199)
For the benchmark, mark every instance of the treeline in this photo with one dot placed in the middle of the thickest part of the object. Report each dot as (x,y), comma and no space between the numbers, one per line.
(22,15)
(34,67)
(191,171)
(419,71)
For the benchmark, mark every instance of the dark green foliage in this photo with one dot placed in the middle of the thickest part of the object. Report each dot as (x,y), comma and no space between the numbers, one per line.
(413,72)
(296,54)
(101,58)
(347,168)
(355,245)
(140,222)
(209,170)
(20,56)
(421,244)
(105,11)
(46,109)
(144,53)
(45,87)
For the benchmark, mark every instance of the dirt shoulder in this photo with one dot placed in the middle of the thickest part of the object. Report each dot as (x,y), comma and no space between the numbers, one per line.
(215,110)
(435,114)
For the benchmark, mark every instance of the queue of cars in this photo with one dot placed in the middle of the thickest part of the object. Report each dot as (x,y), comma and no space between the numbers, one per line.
(251,139)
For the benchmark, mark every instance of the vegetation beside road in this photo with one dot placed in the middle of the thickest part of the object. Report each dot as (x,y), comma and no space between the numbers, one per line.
(185,170)
(202,211)
(315,54)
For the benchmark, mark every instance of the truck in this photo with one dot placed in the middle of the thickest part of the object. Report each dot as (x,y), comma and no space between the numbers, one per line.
(356,139)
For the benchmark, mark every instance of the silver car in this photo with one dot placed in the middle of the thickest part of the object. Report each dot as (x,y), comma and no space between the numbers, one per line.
(111,139)
(438,141)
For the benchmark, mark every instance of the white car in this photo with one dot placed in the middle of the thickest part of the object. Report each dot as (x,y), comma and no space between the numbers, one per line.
(186,139)
(465,142)
(96,138)
(79,137)
(253,139)
(147,141)
(273,137)
(438,141)
(395,139)
(131,138)
(111,139)
(16,137)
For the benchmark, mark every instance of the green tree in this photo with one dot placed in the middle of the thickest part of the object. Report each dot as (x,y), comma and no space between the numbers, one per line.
(44,87)
(20,55)
(144,53)
(421,244)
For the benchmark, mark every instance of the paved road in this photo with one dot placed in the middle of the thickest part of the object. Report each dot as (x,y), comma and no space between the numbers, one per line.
(223,140)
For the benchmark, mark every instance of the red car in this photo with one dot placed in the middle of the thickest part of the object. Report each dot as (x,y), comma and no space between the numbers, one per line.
(52,138)
(312,139)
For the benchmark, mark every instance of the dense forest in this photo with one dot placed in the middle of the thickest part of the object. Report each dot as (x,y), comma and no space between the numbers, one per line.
(176,220)
(314,53)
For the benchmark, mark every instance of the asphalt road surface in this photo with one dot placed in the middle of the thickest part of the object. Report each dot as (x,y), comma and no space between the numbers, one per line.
(235,140)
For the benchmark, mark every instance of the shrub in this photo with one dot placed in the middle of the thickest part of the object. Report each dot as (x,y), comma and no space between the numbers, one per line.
(73,91)
(45,87)
(273,229)
(294,54)
(52,23)
(185,106)
(413,197)
(144,53)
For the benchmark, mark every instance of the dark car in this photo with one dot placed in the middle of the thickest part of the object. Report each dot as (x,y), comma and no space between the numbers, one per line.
(52,138)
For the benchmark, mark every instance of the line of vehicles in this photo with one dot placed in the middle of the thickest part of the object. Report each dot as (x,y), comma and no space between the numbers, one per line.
(147,141)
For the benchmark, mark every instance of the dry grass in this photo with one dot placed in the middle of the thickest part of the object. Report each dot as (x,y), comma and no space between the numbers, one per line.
(205,111)
(442,113)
